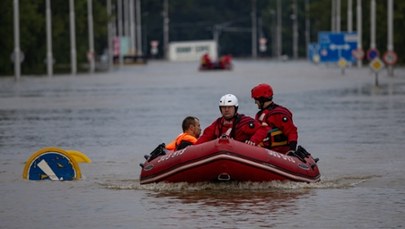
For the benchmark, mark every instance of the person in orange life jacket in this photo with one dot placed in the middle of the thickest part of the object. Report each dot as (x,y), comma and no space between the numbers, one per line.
(283,135)
(237,126)
(191,131)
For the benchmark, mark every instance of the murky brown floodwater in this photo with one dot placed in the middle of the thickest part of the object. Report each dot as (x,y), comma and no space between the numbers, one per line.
(355,129)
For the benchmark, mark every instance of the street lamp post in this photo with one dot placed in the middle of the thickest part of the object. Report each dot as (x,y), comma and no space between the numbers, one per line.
(349,16)
(90,54)
(132,42)
(295,29)
(110,35)
(49,56)
(72,37)
(390,37)
(372,24)
(307,25)
(138,28)
(359,31)
(254,30)
(279,30)
(166,28)
(17,63)
(120,32)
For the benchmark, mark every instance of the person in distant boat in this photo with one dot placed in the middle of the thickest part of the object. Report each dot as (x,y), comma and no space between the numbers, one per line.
(206,61)
(191,131)
(232,124)
(225,62)
(283,134)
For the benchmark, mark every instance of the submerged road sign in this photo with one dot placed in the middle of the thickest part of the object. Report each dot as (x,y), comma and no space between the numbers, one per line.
(333,46)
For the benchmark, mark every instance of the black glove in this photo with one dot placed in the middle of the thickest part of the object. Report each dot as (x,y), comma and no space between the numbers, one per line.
(160,150)
(292,145)
(297,154)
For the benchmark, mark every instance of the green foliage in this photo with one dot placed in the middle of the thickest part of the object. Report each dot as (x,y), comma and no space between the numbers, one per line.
(6,33)
(33,34)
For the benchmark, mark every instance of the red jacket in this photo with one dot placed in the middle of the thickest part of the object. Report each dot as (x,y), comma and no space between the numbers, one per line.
(242,128)
(206,61)
(276,116)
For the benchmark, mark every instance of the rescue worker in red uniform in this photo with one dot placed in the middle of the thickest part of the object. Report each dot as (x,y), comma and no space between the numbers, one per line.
(206,62)
(225,62)
(191,131)
(237,126)
(283,135)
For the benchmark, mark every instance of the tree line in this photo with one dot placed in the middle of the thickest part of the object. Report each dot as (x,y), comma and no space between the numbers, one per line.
(189,20)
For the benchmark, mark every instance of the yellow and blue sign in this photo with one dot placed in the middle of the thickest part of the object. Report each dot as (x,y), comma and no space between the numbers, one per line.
(56,164)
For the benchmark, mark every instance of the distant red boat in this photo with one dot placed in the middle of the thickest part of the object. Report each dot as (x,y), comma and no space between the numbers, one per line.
(225,159)
(224,63)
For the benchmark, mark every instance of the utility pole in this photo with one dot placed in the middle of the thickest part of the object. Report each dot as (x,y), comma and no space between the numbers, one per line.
(17,63)
(119,20)
(138,28)
(307,25)
(216,33)
(295,29)
(390,38)
(166,28)
(132,41)
(110,35)
(73,59)
(273,33)
(338,15)
(333,16)
(254,30)
(90,54)
(390,22)
(372,25)
(126,8)
(349,16)
(49,57)
(279,30)
(359,30)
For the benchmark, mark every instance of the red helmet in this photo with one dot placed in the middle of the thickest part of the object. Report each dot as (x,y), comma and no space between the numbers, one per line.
(262,91)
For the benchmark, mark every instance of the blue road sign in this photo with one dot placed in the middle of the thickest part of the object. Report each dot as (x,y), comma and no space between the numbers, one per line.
(372,53)
(333,46)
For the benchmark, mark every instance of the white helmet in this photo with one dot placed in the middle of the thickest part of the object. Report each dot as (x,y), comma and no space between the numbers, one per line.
(228,100)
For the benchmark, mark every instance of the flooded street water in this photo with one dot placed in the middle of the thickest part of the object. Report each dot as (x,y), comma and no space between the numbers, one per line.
(356,129)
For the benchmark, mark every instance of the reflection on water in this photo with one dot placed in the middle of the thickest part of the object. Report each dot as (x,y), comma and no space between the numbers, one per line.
(387,89)
(228,206)
(240,205)
(233,204)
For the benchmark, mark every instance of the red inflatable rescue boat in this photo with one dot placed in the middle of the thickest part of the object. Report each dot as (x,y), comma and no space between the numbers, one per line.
(226,159)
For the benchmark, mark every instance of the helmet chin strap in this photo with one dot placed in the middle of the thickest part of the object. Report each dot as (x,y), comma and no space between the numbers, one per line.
(262,101)
(261,104)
